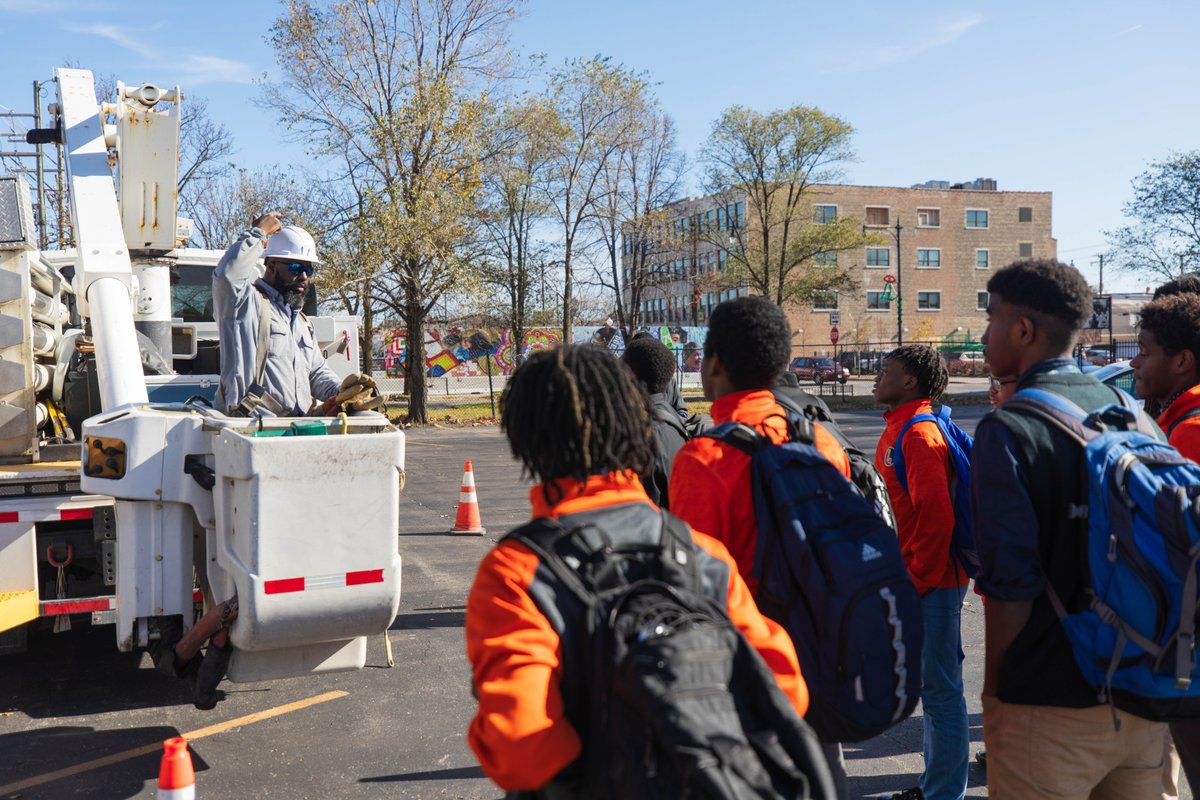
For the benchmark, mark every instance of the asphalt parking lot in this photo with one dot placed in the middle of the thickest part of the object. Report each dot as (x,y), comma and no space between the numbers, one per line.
(78,719)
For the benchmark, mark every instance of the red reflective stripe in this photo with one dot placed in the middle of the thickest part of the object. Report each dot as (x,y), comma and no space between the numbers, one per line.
(283,586)
(76,606)
(365,576)
(197,596)
(10,516)
(76,513)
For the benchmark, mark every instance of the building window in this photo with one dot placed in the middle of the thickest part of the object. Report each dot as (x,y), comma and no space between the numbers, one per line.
(720,219)
(1025,214)
(977,218)
(738,209)
(721,254)
(878,257)
(929,218)
(876,302)
(877,215)
(826,301)
(981,259)
(708,221)
(824,214)
(929,301)
(1025,249)
(981,301)
(929,258)
(825,259)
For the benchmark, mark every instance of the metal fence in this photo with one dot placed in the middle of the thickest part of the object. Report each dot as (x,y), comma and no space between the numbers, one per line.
(473,395)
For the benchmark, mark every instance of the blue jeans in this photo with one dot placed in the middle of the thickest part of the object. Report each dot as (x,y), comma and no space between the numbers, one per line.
(945,707)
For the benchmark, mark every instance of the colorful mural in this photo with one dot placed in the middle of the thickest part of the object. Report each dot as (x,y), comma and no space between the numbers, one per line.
(466,352)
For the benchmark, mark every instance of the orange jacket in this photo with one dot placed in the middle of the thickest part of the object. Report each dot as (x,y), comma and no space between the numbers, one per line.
(1186,436)
(710,480)
(925,514)
(520,733)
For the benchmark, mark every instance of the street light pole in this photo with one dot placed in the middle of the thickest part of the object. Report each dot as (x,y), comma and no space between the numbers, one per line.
(899,286)
(899,282)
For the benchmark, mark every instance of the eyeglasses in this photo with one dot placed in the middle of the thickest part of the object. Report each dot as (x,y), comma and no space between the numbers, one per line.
(300,268)
(998,382)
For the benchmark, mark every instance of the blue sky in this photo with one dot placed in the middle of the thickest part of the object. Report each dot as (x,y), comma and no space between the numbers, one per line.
(1069,97)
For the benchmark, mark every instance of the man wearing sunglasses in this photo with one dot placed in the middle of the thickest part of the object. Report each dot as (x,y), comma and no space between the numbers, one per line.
(270,361)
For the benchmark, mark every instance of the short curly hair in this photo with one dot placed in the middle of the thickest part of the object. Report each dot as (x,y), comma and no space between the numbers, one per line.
(1175,322)
(652,363)
(1184,284)
(926,365)
(1050,288)
(753,339)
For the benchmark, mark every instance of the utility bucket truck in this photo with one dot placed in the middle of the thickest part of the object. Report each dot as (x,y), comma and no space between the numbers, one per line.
(150,515)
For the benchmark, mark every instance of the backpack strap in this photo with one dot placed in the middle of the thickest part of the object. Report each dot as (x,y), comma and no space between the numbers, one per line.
(543,536)
(1080,425)
(939,419)
(1195,412)
(563,550)
(739,435)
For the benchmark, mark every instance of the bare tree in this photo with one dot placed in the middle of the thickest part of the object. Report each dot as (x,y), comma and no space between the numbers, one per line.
(1163,240)
(638,181)
(515,203)
(399,86)
(593,98)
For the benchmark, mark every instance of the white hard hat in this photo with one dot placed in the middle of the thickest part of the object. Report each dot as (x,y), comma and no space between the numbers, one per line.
(294,243)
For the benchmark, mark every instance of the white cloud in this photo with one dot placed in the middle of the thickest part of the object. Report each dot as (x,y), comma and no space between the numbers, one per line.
(47,6)
(882,56)
(185,68)
(198,69)
(117,35)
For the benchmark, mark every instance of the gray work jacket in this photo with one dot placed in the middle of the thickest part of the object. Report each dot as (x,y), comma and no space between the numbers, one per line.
(295,370)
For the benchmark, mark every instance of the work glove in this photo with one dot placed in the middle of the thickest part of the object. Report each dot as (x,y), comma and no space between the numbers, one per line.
(357,392)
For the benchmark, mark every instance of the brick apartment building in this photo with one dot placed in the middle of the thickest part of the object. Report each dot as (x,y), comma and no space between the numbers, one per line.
(953,236)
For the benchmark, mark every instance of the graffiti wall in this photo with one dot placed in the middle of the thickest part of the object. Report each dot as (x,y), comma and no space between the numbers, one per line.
(466,352)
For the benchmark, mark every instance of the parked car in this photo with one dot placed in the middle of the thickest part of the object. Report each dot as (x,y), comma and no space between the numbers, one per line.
(968,362)
(1118,374)
(1100,356)
(818,370)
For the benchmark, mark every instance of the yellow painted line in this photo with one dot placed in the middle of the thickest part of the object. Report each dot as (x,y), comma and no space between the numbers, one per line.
(199,733)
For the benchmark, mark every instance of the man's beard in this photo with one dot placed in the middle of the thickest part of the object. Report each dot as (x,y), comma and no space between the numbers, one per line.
(294,298)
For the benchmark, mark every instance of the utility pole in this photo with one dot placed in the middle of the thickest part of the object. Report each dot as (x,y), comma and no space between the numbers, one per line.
(43,235)
(1101,292)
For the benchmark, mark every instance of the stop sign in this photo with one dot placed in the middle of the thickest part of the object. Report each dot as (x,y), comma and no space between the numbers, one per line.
(833,335)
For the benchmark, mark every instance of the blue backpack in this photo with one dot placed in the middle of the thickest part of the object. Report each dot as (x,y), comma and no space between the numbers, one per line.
(830,572)
(962,543)
(1135,640)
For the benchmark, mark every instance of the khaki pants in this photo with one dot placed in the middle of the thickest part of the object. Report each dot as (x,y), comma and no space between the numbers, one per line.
(1070,753)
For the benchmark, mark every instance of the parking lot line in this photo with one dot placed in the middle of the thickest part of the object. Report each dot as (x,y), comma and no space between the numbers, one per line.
(199,733)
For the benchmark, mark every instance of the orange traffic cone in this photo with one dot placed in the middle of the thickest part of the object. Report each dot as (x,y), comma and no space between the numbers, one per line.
(468,520)
(176,779)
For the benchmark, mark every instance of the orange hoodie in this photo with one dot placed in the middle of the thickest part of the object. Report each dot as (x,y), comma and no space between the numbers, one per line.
(925,514)
(710,480)
(520,733)
(1186,436)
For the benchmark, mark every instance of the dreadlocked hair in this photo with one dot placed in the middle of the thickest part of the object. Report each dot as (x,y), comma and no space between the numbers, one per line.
(926,365)
(576,411)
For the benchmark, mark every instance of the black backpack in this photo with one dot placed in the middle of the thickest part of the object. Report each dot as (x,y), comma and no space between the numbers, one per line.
(862,467)
(669,698)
